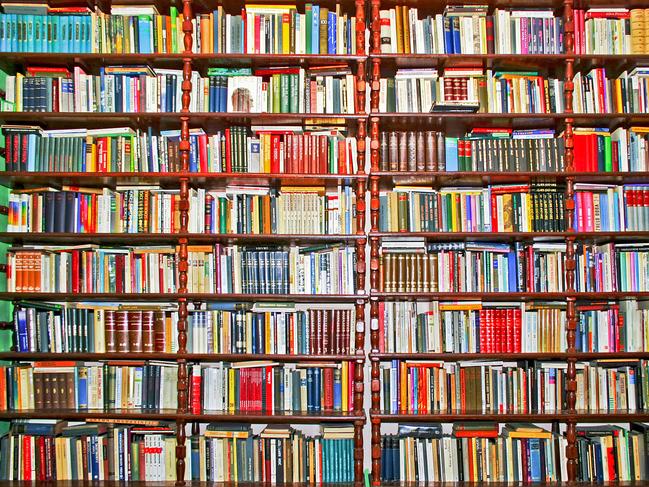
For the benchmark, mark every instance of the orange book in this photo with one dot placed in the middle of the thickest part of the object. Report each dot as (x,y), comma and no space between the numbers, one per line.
(205,34)
(403,399)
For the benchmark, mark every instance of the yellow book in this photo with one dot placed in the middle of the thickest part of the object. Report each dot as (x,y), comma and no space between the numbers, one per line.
(393,207)
(345,386)
(406,29)
(158,32)
(619,105)
(404,386)
(231,398)
(286,33)
(399,26)
(266,152)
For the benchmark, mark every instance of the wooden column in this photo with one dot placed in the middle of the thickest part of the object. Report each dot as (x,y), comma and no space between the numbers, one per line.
(571,309)
(184,148)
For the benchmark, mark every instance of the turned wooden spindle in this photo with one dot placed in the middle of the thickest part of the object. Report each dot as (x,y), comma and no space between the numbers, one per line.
(375,26)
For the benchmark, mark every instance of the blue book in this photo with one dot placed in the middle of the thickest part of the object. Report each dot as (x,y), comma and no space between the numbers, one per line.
(455,29)
(94,458)
(3,33)
(448,36)
(23,337)
(29,23)
(452,160)
(616,214)
(317,389)
(332,29)
(13,25)
(82,388)
(309,390)
(63,30)
(31,155)
(193,155)
(315,29)
(144,27)
(603,210)
(512,271)
(338,391)
(535,459)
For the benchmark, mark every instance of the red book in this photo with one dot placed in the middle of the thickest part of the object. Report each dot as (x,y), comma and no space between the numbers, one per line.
(328,386)
(525,469)
(269,389)
(483,331)
(228,150)
(475,433)
(195,395)
(494,213)
(518,324)
(274,153)
(202,152)
(40,447)
(382,327)
(579,152)
(257,33)
(510,324)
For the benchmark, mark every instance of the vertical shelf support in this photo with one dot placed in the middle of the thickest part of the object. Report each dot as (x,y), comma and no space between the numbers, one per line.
(571,309)
(184,148)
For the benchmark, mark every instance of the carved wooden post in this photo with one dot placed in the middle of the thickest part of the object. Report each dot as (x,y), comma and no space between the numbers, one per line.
(184,148)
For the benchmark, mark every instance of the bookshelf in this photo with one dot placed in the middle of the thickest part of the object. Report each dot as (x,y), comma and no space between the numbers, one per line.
(564,66)
(185,120)
(367,237)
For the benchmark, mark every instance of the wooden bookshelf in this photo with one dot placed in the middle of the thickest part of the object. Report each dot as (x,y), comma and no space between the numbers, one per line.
(563,66)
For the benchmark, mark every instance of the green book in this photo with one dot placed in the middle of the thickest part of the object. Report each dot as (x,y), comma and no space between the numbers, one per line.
(608,157)
(276,82)
(308,11)
(284,85)
(294,93)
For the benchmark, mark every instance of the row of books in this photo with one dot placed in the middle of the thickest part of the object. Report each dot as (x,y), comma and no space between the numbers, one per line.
(268,387)
(483,327)
(326,89)
(279,455)
(595,92)
(89,385)
(469,90)
(114,89)
(212,269)
(49,450)
(151,209)
(277,29)
(598,149)
(322,89)
(472,327)
(424,387)
(474,452)
(286,329)
(482,149)
(142,29)
(469,29)
(472,267)
(611,208)
(282,149)
(535,207)
(496,267)
(615,30)
(287,210)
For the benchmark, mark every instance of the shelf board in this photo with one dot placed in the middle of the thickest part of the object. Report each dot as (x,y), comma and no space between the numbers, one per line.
(172,179)
(172,239)
(579,416)
(510,356)
(165,297)
(191,357)
(461,122)
(515,236)
(507,296)
(199,60)
(481,178)
(172,415)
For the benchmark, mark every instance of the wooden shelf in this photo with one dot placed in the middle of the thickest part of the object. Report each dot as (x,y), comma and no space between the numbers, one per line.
(165,297)
(449,357)
(172,415)
(199,60)
(579,416)
(507,296)
(515,236)
(172,239)
(478,178)
(172,179)
(191,357)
